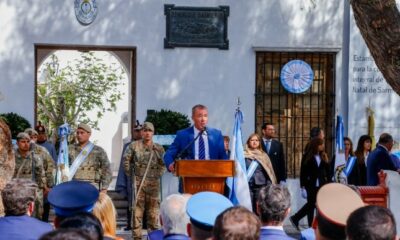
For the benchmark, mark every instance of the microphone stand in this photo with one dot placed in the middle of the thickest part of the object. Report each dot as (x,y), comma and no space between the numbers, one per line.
(182,153)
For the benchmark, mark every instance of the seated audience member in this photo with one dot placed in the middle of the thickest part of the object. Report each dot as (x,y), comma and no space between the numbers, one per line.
(19,201)
(67,234)
(84,221)
(72,197)
(371,223)
(174,219)
(236,223)
(273,206)
(335,202)
(203,208)
(105,211)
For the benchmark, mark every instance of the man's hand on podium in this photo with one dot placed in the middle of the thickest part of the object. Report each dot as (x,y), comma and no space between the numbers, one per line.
(171,167)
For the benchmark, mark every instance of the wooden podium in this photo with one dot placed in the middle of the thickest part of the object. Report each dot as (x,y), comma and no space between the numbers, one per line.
(204,175)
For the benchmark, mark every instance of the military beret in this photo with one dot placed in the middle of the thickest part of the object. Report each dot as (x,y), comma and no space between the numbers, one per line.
(204,207)
(148,126)
(31,131)
(335,202)
(23,135)
(85,127)
(72,197)
(40,129)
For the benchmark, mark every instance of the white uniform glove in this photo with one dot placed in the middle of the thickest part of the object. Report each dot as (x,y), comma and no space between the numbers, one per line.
(303,193)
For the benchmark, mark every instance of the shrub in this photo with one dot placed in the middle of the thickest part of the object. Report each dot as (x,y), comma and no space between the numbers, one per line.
(167,121)
(16,123)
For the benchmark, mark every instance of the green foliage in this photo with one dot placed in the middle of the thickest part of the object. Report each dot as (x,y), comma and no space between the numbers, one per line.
(167,121)
(68,94)
(16,123)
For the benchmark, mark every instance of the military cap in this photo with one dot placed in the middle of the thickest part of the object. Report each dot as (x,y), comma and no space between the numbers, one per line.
(85,127)
(148,126)
(23,135)
(137,126)
(335,202)
(31,131)
(73,197)
(204,207)
(40,129)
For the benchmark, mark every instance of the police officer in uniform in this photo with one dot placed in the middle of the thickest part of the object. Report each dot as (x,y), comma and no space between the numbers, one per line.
(29,165)
(92,162)
(143,160)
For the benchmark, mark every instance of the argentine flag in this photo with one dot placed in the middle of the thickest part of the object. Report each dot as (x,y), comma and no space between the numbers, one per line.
(340,159)
(239,187)
(62,160)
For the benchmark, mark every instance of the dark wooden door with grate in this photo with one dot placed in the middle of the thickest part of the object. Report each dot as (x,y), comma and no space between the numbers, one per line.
(295,114)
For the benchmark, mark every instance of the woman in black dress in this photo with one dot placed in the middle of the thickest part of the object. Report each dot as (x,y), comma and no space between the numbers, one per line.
(358,175)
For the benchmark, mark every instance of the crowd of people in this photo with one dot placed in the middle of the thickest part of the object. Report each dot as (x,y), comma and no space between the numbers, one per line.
(85,211)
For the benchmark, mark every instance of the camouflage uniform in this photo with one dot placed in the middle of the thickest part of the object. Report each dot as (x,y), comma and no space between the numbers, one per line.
(135,159)
(95,169)
(23,169)
(48,163)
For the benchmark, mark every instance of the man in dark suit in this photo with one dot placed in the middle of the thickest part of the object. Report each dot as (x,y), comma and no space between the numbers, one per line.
(197,141)
(273,206)
(274,149)
(19,201)
(380,159)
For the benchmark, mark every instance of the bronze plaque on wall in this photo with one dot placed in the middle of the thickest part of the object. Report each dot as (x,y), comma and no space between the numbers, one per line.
(196,26)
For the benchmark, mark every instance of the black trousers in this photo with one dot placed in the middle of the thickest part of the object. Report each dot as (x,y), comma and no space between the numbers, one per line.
(309,207)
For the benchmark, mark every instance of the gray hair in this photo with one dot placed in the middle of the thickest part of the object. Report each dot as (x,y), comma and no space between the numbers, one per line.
(273,202)
(173,214)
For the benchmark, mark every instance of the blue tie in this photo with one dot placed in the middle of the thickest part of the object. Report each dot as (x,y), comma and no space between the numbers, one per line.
(268,145)
(202,149)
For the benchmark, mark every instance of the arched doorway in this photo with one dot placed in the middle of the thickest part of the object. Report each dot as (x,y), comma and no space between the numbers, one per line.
(114,126)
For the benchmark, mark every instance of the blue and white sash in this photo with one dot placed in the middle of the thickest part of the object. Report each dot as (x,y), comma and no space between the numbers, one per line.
(252,168)
(350,165)
(80,159)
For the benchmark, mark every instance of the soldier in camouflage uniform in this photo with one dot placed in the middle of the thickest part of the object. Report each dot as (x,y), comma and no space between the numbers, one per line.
(143,160)
(7,161)
(96,167)
(29,165)
(49,168)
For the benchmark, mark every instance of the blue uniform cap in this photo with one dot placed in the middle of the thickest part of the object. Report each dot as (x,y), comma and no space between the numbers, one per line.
(73,197)
(204,207)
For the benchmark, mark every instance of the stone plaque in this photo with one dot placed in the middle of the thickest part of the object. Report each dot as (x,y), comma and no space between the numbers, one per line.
(196,27)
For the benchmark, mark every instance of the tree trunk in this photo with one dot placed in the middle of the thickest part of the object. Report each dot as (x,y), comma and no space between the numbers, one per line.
(379,24)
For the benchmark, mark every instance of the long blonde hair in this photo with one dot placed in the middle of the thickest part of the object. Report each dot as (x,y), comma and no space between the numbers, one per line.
(105,211)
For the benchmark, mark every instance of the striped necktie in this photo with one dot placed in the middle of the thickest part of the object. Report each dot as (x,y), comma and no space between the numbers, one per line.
(202,149)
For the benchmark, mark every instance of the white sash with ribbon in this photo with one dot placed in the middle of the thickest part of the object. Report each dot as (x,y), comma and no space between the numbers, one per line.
(80,159)
(252,168)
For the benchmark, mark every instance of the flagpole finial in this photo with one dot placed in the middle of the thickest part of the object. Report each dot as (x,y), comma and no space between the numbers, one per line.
(238,103)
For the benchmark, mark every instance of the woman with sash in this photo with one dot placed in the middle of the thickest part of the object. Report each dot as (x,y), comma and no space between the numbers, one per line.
(358,174)
(259,167)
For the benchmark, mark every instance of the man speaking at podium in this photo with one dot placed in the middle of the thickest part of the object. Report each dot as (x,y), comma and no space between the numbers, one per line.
(197,141)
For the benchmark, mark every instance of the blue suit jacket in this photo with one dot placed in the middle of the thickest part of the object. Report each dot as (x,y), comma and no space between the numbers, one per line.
(22,228)
(273,234)
(183,138)
(377,160)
